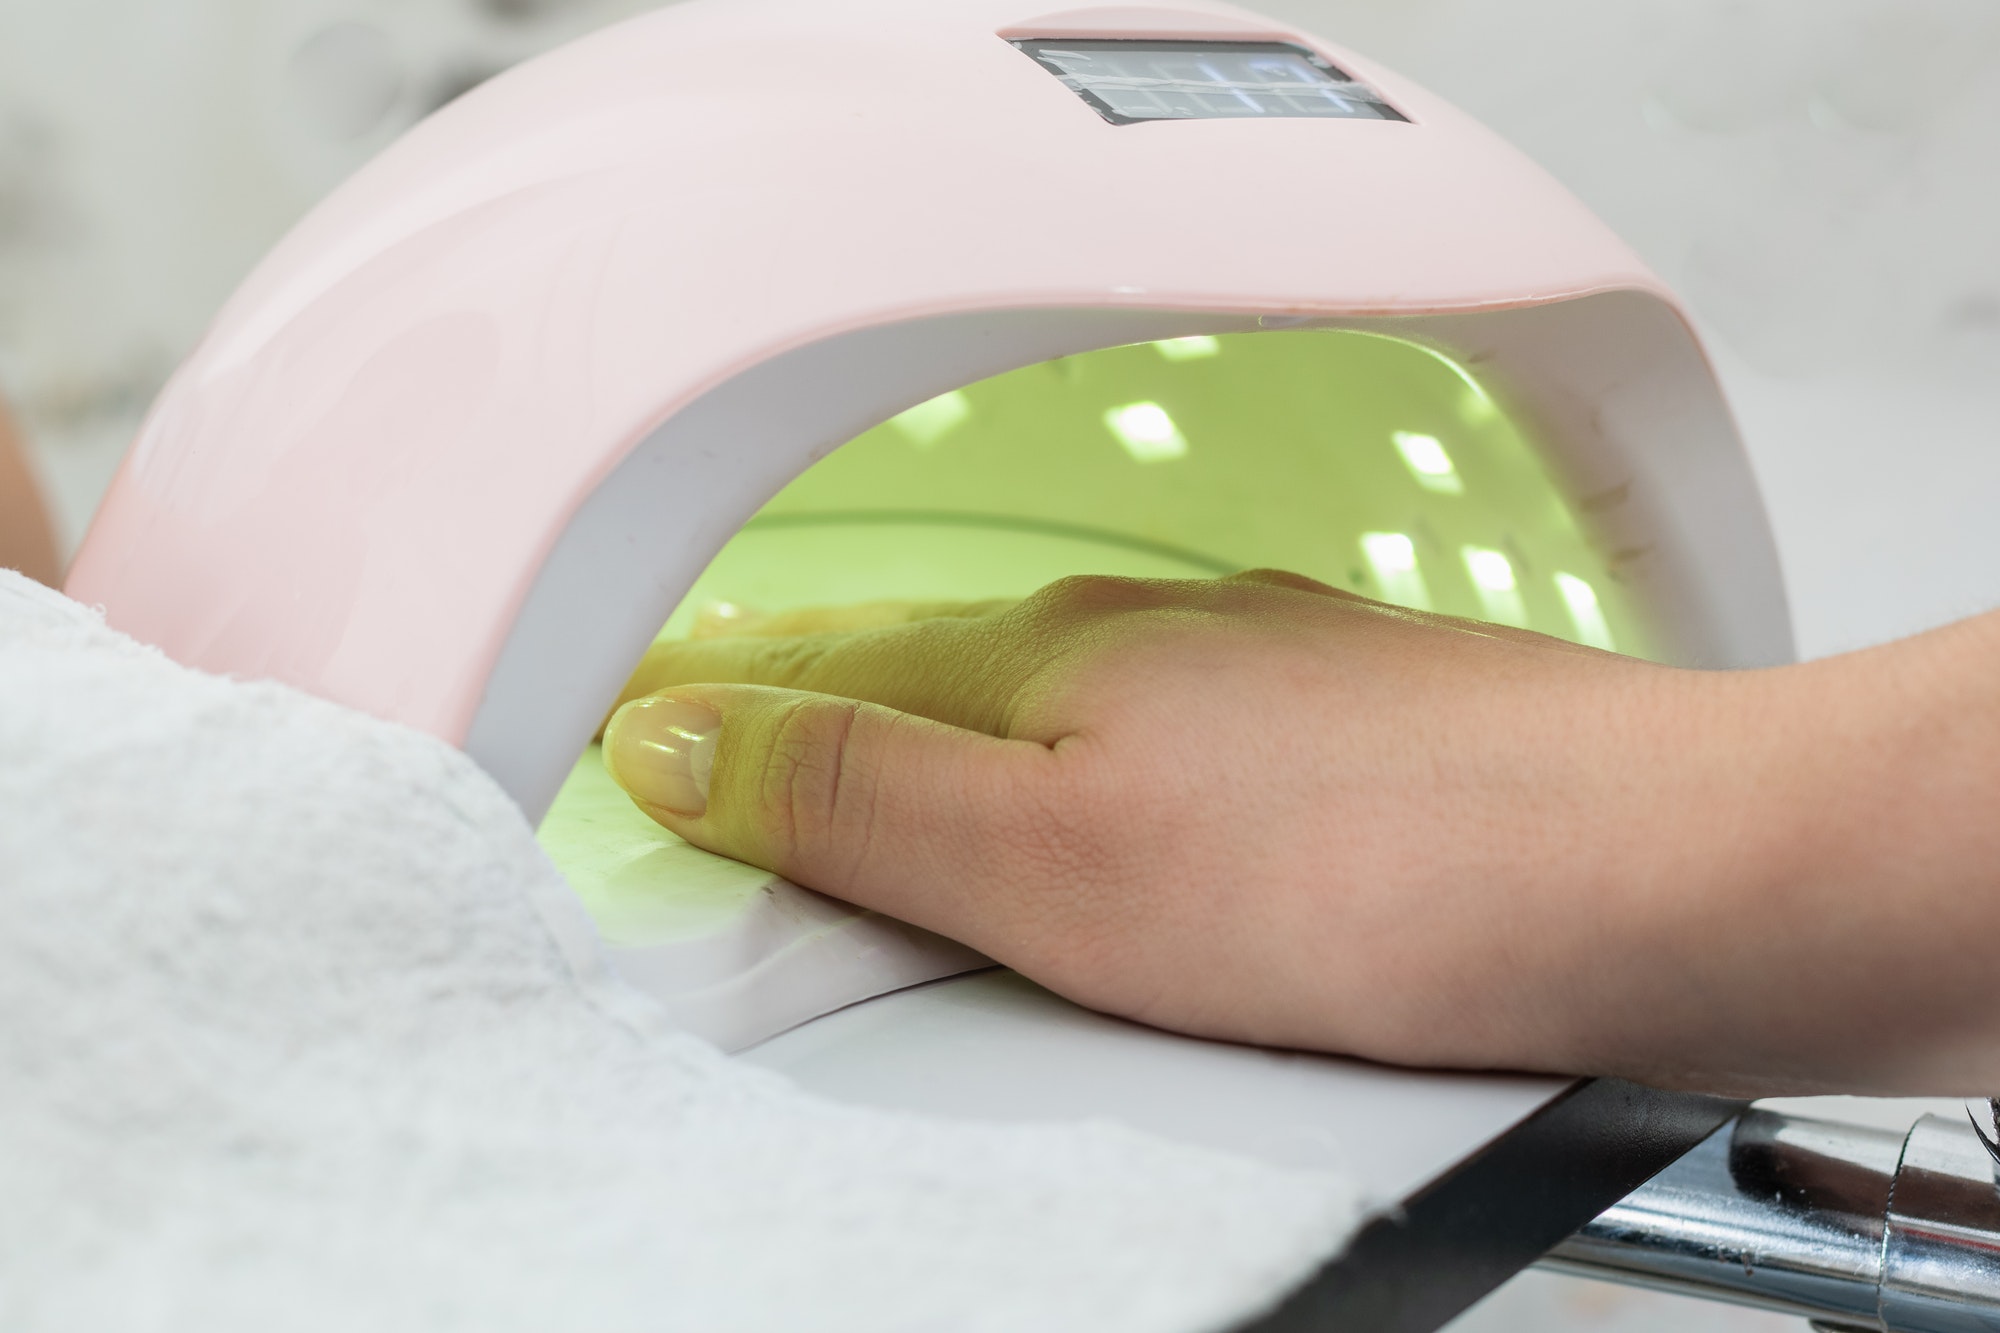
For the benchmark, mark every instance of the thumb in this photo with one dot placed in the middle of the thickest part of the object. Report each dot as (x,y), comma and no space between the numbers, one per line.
(884,809)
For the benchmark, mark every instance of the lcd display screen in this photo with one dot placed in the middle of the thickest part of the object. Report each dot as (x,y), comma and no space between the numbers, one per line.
(1130,82)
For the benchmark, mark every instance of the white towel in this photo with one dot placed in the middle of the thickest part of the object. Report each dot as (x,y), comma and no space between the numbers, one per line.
(287,1042)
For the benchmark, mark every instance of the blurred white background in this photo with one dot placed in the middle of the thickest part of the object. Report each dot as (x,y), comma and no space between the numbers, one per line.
(1821,178)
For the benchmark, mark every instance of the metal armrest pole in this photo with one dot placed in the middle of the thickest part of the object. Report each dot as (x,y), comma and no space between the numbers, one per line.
(1853,1228)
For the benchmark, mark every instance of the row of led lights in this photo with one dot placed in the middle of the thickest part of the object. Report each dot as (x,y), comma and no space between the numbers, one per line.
(1392,559)
(1148,434)
(1145,430)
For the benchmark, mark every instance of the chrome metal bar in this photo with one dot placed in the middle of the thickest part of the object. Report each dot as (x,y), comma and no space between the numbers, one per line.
(1941,1256)
(1853,1228)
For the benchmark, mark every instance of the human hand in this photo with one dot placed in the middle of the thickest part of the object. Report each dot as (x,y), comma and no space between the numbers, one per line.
(27,540)
(1267,810)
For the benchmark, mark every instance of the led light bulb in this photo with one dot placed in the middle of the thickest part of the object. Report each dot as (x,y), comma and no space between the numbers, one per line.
(1192,348)
(1585,612)
(1147,432)
(1492,575)
(1392,559)
(928,422)
(1428,462)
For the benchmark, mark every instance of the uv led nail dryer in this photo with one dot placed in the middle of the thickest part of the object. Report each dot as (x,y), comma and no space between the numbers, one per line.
(775,303)
(781,302)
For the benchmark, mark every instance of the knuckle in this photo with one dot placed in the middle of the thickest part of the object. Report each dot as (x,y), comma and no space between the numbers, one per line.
(1281,578)
(814,811)
(1082,594)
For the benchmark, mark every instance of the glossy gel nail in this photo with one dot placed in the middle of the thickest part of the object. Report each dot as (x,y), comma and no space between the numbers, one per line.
(662,751)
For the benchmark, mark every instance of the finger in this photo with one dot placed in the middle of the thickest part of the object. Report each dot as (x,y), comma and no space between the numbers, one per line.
(965,666)
(889,811)
(727,620)
(1281,578)
(959,670)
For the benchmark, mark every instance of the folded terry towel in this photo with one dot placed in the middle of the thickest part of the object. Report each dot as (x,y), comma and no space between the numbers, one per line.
(288,1042)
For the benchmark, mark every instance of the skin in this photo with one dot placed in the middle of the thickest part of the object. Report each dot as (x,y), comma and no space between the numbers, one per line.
(27,538)
(1267,810)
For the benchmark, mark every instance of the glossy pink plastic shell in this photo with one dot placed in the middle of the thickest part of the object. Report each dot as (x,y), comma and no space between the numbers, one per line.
(353,482)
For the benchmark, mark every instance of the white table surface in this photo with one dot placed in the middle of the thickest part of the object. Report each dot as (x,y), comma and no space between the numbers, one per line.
(995,1046)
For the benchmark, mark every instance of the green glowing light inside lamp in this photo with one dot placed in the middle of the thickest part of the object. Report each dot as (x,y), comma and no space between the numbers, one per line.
(927,423)
(1188,349)
(1585,612)
(1315,449)
(1147,432)
(1086,465)
(1424,455)
(1392,559)
(1499,591)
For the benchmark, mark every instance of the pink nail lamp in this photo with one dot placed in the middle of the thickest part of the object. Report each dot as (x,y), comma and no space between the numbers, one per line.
(461,445)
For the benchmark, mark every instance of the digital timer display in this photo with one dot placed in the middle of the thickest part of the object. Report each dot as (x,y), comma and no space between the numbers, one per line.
(1130,82)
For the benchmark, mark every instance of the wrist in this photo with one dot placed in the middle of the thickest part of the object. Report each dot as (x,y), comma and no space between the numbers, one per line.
(1835,928)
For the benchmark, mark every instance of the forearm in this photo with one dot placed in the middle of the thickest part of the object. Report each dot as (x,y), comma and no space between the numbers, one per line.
(1842,933)
(1901,889)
